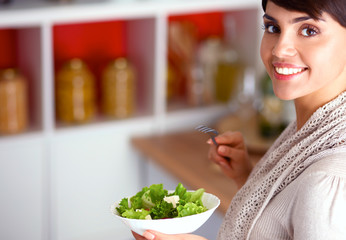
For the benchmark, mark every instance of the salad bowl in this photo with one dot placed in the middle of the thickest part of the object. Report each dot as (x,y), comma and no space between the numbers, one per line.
(179,225)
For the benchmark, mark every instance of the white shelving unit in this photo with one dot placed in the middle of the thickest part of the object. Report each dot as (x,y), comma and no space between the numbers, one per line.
(58,182)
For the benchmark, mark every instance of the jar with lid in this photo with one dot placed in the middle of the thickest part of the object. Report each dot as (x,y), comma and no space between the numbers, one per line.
(230,70)
(75,92)
(201,87)
(13,101)
(118,89)
(228,76)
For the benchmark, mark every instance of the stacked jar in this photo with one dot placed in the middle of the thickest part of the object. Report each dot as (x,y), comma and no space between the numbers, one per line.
(13,102)
(75,93)
(118,89)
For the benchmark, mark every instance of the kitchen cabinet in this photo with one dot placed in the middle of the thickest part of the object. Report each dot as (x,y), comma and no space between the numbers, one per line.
(23,189)
(58,180)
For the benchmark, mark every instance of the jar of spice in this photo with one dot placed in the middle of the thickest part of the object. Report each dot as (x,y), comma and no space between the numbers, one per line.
(13,102)
(75,92)
(118,89)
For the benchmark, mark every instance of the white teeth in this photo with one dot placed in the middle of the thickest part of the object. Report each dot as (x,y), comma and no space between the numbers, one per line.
(288,71)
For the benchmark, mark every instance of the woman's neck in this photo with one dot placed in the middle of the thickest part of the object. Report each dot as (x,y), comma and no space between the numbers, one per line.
(303,112)
(307,105)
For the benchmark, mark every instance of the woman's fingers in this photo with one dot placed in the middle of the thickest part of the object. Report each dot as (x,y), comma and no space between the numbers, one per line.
(153,235)
(232,139)
(234,154)
(214,156)
(219,153)
(137,236)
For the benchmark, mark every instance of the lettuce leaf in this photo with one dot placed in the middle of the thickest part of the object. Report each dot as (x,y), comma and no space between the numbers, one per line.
(188,196)
(150,200)
(123,206)
(153,195)
(135,214)
(163,210)
(194,196)
(180,190)
(136,200)
(190,208)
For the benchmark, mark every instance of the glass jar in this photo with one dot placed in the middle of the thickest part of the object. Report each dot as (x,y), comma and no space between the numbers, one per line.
(75,92)
(118,89)
(229,74)
(13,102)
(231,69)
(201,86)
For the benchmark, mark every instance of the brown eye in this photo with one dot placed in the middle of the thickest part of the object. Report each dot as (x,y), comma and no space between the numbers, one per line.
(271,28)
(309,31)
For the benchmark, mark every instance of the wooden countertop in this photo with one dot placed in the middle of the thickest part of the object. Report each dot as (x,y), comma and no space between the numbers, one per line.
(184,155)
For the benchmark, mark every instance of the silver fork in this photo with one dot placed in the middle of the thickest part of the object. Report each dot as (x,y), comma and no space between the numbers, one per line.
(212,132)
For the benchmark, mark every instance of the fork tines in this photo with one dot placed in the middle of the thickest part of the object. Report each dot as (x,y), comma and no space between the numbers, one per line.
(210,131)
(206,129)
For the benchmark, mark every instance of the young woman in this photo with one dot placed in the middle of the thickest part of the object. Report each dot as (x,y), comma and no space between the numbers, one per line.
(298,189)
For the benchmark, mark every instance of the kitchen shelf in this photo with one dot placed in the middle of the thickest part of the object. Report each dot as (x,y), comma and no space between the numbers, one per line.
(211,24)
(21,48)
(74,172)
(98,43)
(99,32)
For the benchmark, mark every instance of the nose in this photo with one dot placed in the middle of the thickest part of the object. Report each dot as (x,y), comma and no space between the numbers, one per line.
(284,47)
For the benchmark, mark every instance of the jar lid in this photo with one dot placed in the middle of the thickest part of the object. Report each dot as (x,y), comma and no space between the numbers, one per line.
(121,63)
(8,73)
(76,63)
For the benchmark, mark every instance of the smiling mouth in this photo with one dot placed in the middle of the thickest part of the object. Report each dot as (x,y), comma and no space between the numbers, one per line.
(288,71)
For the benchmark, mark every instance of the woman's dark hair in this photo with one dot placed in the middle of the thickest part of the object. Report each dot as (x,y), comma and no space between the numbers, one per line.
(314,8)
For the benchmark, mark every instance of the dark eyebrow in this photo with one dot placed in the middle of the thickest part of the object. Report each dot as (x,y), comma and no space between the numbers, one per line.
(305,18)
(295,20)
(301,19)
(269,17)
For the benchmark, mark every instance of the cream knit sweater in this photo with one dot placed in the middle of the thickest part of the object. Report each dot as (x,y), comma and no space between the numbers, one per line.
(298,189)
(312,207)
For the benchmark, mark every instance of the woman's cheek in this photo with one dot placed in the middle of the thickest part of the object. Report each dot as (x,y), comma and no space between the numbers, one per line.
(265,52)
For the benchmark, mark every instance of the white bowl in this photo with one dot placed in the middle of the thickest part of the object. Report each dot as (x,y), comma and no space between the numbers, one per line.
(179,225)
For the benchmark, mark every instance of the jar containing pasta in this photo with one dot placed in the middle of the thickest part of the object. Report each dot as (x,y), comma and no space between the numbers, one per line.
(13,102)
(118,89)
(75,93)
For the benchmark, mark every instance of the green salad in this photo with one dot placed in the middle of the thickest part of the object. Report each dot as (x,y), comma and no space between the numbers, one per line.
(154,202)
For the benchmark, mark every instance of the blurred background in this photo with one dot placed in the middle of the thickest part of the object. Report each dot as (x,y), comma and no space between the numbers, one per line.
(80,79)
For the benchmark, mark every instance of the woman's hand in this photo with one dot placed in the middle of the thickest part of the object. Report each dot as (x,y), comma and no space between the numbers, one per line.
(231,146)
(153,235)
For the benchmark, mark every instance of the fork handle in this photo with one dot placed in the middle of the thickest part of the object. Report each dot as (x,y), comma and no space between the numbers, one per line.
(214,141)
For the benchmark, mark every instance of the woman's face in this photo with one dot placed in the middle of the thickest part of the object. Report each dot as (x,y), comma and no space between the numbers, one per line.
(303,56)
